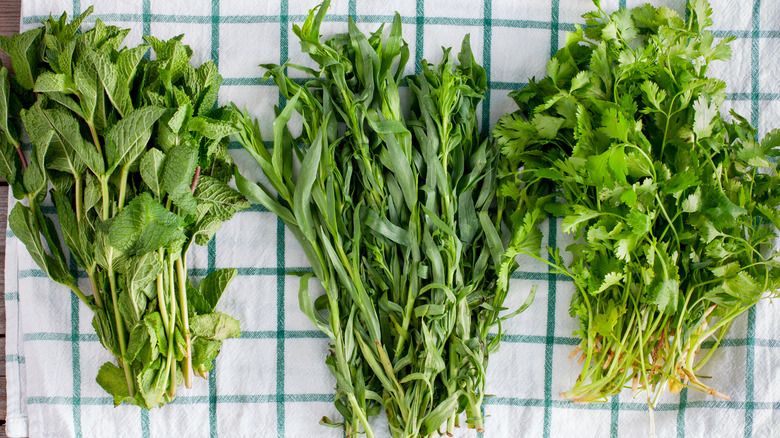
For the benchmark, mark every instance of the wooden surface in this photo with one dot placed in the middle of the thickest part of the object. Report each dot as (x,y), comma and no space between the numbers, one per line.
(9,24)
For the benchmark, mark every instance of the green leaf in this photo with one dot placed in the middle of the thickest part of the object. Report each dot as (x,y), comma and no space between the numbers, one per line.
(654,94)
(705,112)
(10,168)
(203,353)
(151,169)
(753,154)
(180,118)
(213,286)
(140,337)
(574,221)
(205,229)
(225,201)
(23,49)
(260,195)
(104,328)
(210,81)
(303,186)
(127,62)
(212,128)
(215,326)
(615,124)
(67,129)
(150,393)
(27,227)
(179,168)
(639,222)
(305,304)
(547,126)
(128,131)
(144,226)
(112,379)
(743,287)
(86,80)
(5,100)
(73,234)
(664,295)
(604,323)
(692,203)
(53,82)
(141,271)
(439,415)
(611,279)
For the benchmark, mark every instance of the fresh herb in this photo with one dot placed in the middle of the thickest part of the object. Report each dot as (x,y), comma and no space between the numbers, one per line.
(394,214)
(675,207)
(135,154)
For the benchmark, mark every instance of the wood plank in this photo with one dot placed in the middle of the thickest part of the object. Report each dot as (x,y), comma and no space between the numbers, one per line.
(10,12)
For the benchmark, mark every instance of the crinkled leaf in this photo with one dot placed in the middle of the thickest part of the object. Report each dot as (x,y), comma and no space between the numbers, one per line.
(216,326)
(225,201)
(144,225)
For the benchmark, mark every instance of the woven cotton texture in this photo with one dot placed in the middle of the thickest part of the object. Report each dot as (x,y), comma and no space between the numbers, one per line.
(273,380)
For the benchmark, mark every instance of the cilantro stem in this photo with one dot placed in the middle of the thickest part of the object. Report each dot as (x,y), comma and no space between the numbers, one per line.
(669,220)
(704,359)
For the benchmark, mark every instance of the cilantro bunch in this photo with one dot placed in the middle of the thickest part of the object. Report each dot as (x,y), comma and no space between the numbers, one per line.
(394,214)
(674,206)
(133,154)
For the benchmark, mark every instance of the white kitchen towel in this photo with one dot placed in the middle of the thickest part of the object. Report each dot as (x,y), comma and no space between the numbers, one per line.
(273,380)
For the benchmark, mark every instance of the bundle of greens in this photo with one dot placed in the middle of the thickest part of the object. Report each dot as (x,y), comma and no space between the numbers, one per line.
(675,206)
(394,215)
(135,154)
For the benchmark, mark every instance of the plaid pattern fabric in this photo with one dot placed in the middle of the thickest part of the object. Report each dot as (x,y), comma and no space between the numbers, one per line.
(273,380)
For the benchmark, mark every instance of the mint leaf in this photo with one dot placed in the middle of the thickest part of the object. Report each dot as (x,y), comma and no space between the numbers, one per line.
(213,286)
(112,379)
(151,169)
(215,326)
(23,49)
(179,168)
(144,226)
(225,201)
(128,131)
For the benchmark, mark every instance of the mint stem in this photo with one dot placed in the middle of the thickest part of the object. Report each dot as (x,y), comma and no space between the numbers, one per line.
(187,364)
(21,157)
(120,326)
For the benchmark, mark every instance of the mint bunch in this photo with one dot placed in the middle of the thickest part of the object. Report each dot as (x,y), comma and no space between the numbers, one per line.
(133,154)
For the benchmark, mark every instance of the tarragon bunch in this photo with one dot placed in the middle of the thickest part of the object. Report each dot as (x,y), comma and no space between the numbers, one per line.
(675,207)
(133,154)
(395,216)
